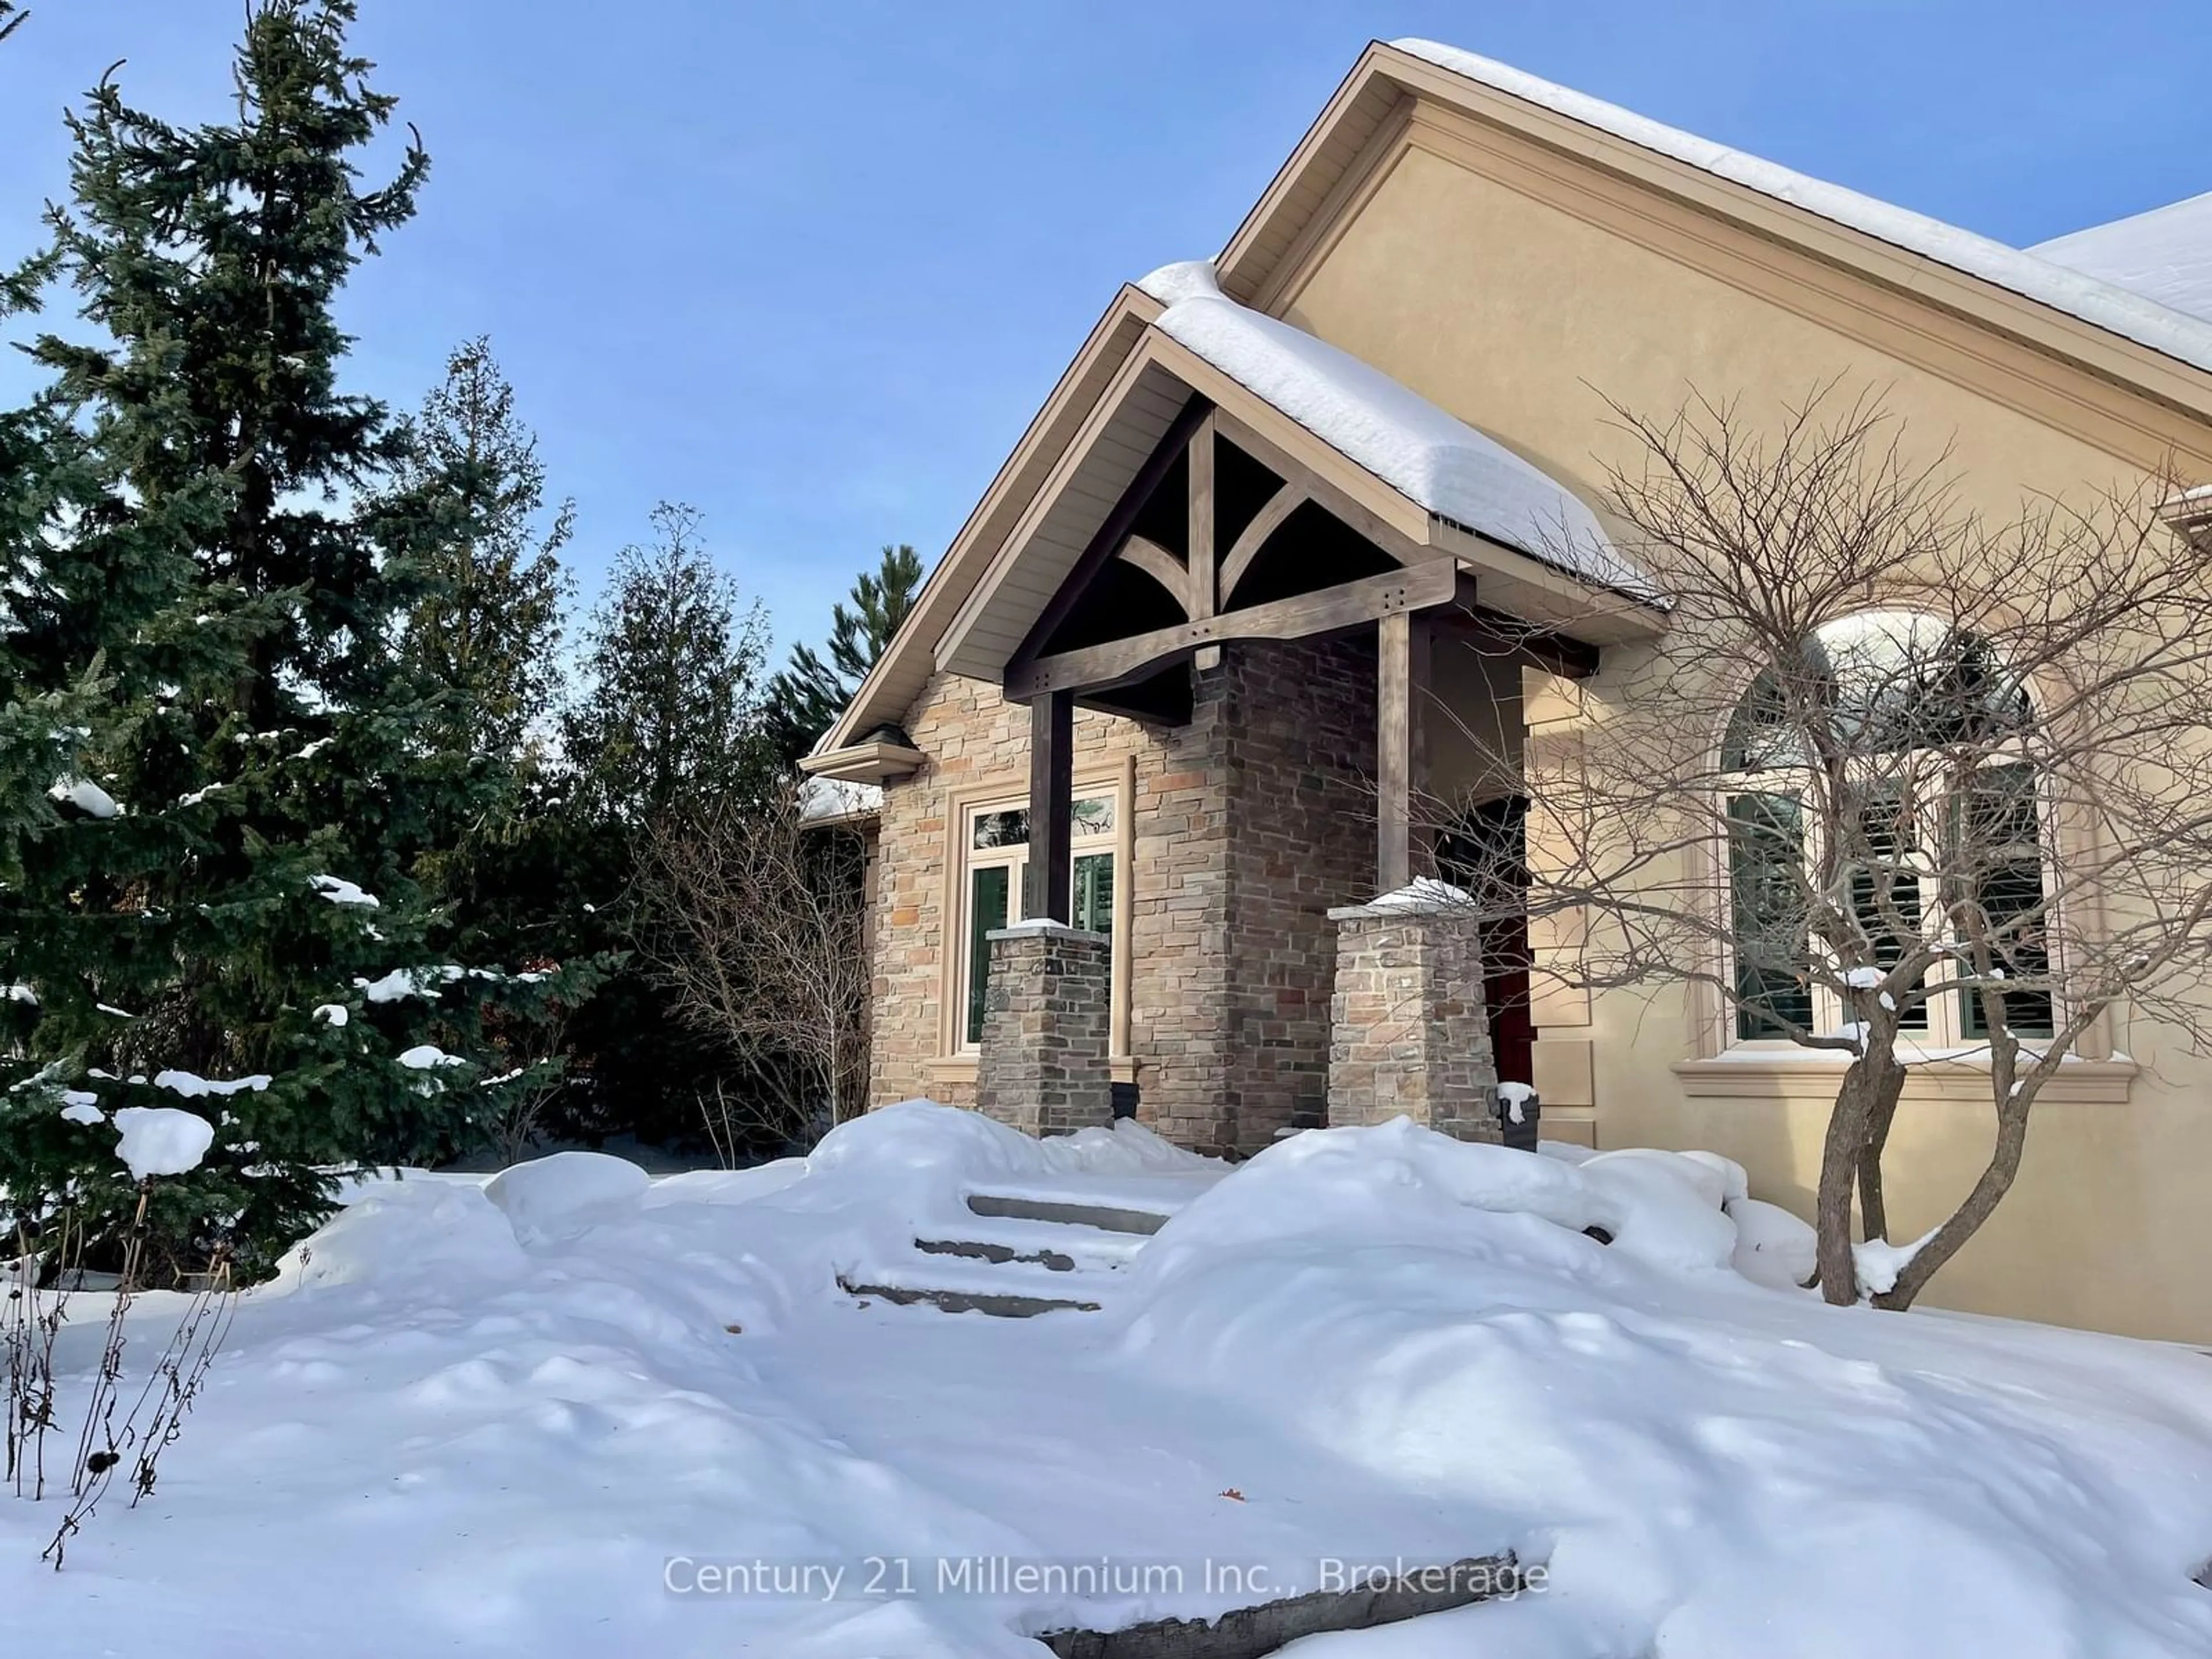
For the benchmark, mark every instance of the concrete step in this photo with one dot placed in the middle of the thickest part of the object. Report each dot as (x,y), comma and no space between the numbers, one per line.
(1000,1304)
(980,1249)
(1065,1212)
(1050,1244)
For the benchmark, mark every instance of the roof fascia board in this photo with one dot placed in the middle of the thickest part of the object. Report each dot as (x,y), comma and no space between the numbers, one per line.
(1533,591)
(1096,421)
(1320,138)
(864,762)
(1366,174)
(1118,331)
(2125,418)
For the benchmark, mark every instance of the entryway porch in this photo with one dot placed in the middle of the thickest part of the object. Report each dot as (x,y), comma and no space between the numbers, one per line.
(1355,706)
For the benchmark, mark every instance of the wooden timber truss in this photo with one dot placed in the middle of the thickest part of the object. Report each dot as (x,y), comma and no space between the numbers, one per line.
(1220,538)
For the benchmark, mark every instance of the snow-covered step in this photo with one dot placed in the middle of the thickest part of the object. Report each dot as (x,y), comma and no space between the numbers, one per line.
(1054,1245)
(1036,1244)
(1069,1212)
(1153,1192)
(1012,1292)
(999,1304)
(960,1272)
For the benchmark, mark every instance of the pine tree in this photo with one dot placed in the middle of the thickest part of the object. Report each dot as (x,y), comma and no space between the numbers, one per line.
(805,699)
(35,454)
(671,710)
(488,630)
(220,886)
(669,716)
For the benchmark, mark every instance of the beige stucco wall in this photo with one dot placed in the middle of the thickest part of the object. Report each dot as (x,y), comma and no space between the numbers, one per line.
(1521,318)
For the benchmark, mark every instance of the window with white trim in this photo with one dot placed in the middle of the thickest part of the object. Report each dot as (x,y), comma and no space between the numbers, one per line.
(994,841)
(1932,775)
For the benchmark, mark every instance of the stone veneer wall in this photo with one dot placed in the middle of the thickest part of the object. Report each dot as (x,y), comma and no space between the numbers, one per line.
(1249,823)
(1411,1034)
(1042,1065)
(975,739)
(1301,756)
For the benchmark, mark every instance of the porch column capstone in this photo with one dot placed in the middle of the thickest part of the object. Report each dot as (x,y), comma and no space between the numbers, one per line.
(1409,1032)
(1046,1029)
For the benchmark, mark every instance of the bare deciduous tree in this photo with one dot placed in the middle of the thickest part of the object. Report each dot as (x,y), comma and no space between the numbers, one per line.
(762,921)
(1901,784)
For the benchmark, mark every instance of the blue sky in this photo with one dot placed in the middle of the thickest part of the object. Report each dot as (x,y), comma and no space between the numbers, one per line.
(811,265)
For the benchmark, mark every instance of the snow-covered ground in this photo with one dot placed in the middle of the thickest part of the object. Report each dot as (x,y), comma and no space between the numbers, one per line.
(487,1419)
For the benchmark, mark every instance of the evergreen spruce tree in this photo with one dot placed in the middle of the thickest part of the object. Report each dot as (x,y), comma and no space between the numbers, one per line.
(488,629)
(668,717)
(216,908)
(670,711)
(805,699)
(484,636)
(35,471)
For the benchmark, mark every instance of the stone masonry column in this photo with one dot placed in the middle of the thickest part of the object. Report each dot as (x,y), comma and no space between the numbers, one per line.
(1410,1033)
(1046,1029)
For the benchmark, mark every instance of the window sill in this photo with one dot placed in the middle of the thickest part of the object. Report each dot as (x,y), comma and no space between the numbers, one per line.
(961,1068)
(1761,1074)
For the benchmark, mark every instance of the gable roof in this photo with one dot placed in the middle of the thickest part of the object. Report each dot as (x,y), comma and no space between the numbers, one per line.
(2127,340)
(1430,456)
(2165,255)
(1356,440)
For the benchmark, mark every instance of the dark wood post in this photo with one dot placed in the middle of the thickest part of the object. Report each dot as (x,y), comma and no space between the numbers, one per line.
(1048,893)
(1401,682)
(1203,593)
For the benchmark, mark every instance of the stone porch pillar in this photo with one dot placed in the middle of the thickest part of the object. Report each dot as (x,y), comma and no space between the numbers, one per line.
(1410,1033)
(1047,1030)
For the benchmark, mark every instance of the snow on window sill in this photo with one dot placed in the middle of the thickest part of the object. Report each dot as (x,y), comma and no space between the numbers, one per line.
(1761,1072)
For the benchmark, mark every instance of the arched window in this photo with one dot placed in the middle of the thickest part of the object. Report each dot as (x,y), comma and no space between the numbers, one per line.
(1881,800)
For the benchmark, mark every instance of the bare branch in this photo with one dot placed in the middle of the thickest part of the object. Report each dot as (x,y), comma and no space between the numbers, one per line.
(763,925)
(1899,783)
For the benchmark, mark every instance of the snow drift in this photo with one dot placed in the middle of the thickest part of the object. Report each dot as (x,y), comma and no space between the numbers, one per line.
(497,1418)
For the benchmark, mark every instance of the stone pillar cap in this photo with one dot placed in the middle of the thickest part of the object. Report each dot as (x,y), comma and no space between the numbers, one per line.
(1044,926)
(1424,896)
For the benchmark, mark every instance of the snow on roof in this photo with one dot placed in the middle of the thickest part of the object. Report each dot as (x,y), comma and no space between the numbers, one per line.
(2165,254)
(1432,457)
(829,800)
(2083,291)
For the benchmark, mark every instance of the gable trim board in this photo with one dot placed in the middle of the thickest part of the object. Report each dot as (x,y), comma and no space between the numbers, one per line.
(904,669)
(1020,583)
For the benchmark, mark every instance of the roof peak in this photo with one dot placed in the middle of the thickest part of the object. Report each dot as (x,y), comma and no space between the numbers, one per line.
(1426,454)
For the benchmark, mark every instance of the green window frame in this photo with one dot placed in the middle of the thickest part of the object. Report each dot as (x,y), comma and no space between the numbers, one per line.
(1772,946)
(1894,684)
